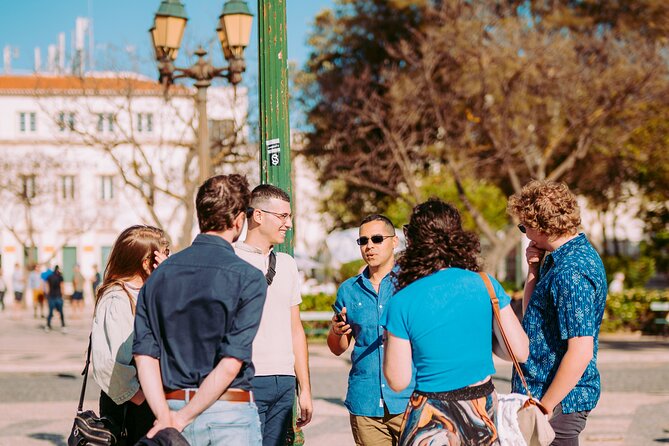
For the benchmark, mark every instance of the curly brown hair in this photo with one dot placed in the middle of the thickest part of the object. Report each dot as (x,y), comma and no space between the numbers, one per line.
(436,240)
(548,207)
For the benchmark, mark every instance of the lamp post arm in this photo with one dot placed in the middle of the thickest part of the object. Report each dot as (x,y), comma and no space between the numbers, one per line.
(203,72)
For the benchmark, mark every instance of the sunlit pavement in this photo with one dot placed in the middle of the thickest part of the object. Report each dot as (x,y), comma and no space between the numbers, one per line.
(40,382)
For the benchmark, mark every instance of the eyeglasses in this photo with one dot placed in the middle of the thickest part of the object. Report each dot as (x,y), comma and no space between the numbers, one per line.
(284,217)
(522,228)
(377,239)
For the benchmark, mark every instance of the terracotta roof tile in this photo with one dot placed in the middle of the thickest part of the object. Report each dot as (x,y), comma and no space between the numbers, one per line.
(75,85)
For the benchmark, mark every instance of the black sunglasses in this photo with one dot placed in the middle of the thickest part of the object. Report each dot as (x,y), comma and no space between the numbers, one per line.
(522,228)
(376,239)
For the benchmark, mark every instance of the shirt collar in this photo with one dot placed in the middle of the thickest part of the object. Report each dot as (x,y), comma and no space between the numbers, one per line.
(566,249)
(209,239)
(248,248)
(363,277)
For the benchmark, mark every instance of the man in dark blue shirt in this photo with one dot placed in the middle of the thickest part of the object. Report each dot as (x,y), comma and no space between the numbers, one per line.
(563,306)
(196,319)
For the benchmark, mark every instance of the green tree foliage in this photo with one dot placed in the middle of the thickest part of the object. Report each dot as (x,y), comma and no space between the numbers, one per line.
(630,311)
(485,196)
(482,95)
(657,227)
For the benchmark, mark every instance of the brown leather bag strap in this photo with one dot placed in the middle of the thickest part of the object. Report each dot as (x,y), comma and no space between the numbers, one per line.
(495,310)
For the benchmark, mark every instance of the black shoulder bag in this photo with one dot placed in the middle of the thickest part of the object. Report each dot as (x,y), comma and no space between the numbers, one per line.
(88,428)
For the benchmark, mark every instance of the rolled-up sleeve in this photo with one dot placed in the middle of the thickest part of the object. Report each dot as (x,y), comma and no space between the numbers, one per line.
(239,339)
(145,342)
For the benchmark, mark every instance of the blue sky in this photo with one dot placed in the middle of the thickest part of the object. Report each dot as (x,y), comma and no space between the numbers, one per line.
(123,24)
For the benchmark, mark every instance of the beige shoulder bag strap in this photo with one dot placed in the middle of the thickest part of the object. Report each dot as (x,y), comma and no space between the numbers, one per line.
(516,365)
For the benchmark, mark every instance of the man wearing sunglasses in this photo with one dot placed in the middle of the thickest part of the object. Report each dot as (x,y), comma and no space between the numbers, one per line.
(280,353)
(375,410)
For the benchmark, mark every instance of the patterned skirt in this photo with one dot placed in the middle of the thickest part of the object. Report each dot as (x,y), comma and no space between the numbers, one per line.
(463,417)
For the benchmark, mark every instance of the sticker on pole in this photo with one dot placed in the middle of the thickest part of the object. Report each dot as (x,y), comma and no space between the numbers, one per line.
(274,151)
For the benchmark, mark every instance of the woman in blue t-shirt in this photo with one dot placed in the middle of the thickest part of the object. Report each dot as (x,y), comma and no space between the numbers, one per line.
(441,319)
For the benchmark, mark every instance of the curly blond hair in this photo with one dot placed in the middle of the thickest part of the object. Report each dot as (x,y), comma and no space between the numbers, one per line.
(548,207)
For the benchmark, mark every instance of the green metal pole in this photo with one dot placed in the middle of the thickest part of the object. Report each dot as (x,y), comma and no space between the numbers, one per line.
(275,160)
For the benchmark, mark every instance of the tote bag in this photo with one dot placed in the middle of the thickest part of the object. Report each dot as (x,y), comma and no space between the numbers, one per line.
(532,417)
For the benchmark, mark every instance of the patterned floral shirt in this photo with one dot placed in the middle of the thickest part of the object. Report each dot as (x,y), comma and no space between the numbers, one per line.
(568,302)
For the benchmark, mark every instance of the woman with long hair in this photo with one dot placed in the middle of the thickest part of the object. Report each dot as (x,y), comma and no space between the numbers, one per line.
(137,251)
(441,319)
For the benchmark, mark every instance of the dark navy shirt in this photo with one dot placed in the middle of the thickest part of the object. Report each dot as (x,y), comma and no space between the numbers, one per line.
(568,301)
(202,304)
(54,281)
(367,387)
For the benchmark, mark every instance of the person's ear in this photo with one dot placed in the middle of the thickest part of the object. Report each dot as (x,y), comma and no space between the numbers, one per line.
(396,241)
(239,221)
(257,216)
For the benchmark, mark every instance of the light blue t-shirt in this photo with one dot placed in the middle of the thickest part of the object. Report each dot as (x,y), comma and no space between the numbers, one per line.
(447,316)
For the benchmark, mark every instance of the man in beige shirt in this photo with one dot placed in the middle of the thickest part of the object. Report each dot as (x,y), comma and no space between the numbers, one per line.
(280,348)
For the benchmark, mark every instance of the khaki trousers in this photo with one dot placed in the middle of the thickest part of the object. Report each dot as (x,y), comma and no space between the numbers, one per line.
(377,431)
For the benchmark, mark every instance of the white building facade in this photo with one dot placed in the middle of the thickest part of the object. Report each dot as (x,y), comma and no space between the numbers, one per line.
(84,158)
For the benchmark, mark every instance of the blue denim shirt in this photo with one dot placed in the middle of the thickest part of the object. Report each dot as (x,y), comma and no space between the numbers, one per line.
(568,301)
(367,387)
(202,304)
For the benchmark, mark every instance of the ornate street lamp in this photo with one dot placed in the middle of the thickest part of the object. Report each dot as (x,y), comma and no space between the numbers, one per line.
(234,33)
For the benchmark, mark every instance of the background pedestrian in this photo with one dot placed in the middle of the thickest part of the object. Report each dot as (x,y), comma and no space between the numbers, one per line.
(78,293)
(55,297)
(37,285)
(3,290)
(18,286)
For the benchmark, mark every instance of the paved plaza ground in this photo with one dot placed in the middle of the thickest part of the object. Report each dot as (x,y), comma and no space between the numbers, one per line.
(39,388)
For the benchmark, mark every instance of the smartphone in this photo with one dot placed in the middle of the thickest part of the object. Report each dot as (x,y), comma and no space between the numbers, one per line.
(338,314)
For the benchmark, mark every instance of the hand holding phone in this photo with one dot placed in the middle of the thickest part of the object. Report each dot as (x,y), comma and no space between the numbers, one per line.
(339,325)
(338,316)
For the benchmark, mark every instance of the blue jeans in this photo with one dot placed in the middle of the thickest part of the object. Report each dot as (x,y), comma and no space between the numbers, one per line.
(275,395)
(223,423)
(55,303)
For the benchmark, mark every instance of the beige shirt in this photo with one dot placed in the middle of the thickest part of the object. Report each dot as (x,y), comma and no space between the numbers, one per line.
(273,345)
(111,338)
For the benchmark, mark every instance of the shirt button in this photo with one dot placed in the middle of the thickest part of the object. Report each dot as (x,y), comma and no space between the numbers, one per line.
(380,306)
(383,385)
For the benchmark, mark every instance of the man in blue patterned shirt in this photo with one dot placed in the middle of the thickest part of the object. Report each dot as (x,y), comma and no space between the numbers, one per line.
(563,305)
(376,410)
